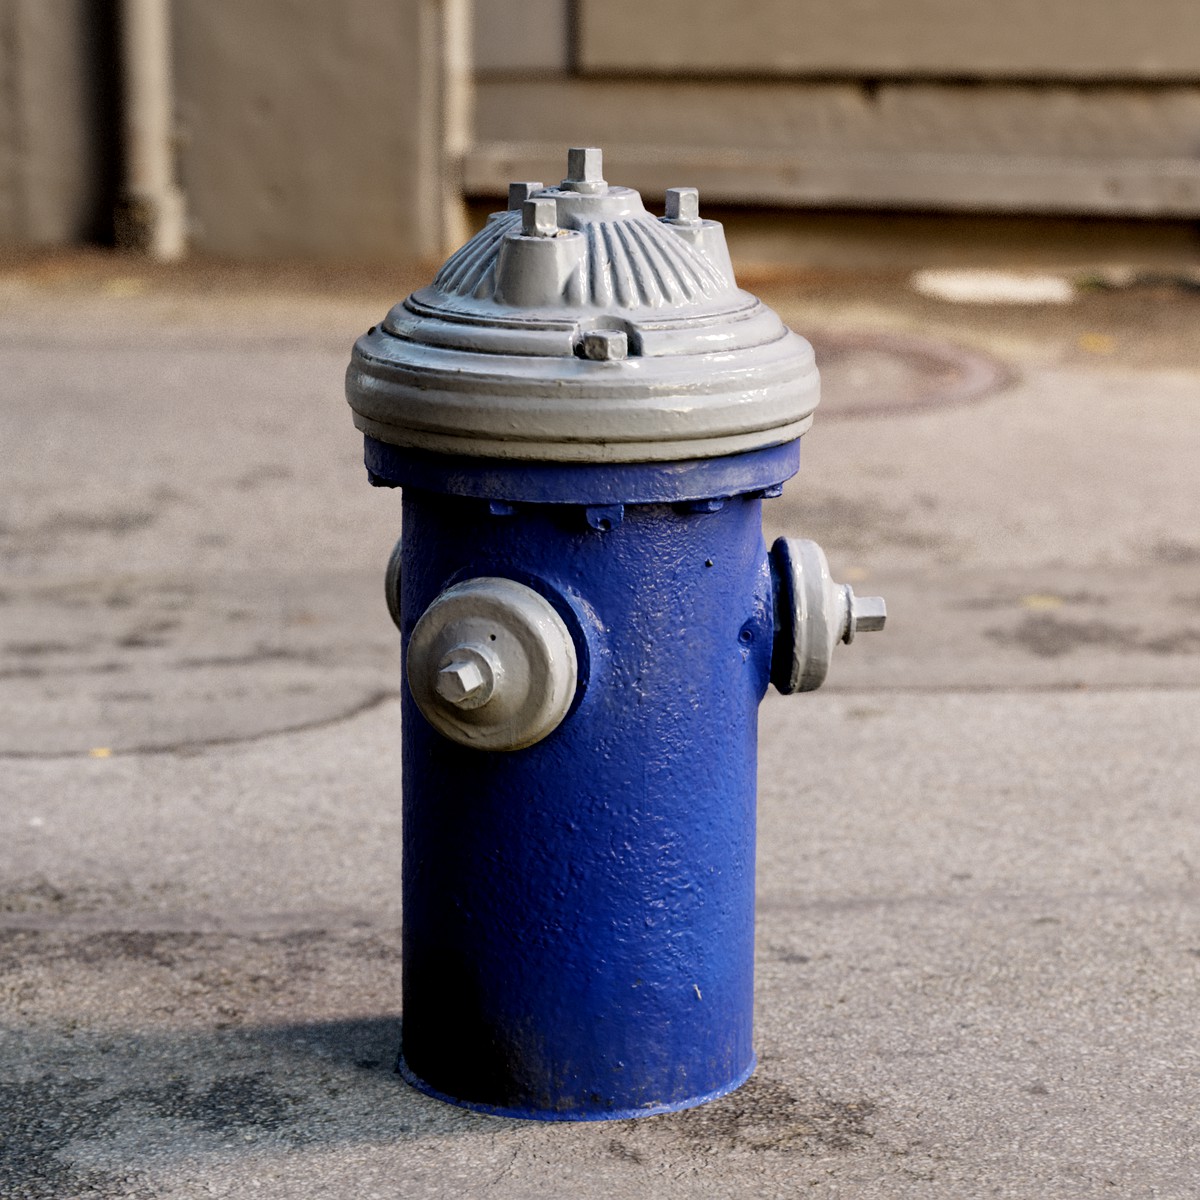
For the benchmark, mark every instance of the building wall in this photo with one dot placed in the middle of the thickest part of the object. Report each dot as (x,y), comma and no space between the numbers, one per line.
(318,130)
(57,158)
(1017,106)
(342,129)
(321,131)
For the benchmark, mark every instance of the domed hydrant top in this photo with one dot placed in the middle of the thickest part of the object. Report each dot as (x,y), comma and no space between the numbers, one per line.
(585,413)
(576,327)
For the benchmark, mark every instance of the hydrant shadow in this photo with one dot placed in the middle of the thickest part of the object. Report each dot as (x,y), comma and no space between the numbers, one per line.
(87,1111)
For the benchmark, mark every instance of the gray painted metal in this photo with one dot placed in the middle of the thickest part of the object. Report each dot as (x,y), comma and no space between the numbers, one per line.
(391,582)
(576,327)
(492,665)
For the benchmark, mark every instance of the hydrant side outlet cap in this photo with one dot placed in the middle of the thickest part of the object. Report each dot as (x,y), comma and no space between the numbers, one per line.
(577,327)
(492,665)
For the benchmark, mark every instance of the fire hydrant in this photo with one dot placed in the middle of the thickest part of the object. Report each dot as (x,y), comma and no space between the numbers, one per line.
(585,414)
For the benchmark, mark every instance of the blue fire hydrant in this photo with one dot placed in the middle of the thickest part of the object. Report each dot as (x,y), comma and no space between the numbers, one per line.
(585,414)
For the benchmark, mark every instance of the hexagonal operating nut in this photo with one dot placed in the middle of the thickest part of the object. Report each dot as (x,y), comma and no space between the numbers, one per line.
(603,345)
(539,217)
(518,193)
(459,681)
(683,206)
(585,170)
(467,676)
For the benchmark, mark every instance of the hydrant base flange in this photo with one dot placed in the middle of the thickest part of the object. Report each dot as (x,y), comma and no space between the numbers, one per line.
(538,1114)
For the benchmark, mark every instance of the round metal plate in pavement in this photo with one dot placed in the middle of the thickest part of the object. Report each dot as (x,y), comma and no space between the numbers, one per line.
(871,374)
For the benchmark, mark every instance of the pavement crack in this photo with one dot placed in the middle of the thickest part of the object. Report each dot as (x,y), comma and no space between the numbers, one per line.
(508,1168)
(192,746)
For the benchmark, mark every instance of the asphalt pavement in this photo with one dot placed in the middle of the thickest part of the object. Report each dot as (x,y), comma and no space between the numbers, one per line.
(979,910)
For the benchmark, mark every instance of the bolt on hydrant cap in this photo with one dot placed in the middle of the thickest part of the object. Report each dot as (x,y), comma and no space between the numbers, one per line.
(467,680)
(682,206)
(584,170)
(577,327)
(539,217)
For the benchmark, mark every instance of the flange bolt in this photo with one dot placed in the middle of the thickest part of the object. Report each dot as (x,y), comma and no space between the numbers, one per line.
(603,345)
(539,217)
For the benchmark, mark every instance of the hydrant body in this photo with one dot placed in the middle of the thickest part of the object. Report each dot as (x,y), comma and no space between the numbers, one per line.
(590,619)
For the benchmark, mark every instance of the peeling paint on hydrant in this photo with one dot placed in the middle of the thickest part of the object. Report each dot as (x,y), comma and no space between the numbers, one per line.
(585,414)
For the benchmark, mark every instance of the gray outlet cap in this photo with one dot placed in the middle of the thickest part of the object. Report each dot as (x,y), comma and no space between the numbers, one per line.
(492,665)
(577,327)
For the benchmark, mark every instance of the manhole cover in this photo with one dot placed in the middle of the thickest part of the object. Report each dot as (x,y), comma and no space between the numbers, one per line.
(878,374)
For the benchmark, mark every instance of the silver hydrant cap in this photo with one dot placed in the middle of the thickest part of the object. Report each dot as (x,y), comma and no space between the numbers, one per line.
(577,327)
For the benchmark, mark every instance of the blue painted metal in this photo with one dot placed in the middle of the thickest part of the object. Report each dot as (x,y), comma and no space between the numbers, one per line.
(582,483)
(579,914)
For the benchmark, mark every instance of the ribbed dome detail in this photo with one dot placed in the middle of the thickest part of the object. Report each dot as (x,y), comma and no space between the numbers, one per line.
(576,327)
(474,263)
(635,262)
(642,264)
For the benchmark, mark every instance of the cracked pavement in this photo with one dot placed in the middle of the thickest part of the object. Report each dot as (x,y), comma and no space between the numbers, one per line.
(979,915)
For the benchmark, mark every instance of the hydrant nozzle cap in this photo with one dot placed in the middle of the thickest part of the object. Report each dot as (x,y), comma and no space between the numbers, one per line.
(813,615)
(577,327)
(492,665)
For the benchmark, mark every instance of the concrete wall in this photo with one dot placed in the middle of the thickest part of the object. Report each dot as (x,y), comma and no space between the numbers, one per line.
(312,130)
(323,130)
(57,155)
(1148,40)
(1016,106)
(342,129)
